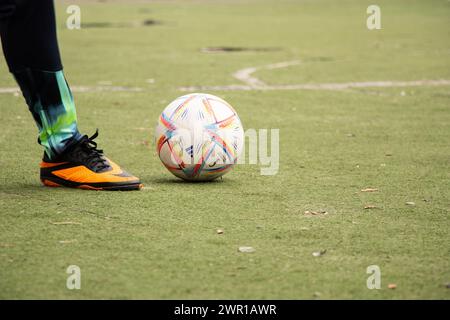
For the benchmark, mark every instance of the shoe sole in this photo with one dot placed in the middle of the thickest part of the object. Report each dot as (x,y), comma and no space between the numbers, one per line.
(54,182)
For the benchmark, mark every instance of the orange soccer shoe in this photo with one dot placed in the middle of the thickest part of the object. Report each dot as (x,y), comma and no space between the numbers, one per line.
(84,166)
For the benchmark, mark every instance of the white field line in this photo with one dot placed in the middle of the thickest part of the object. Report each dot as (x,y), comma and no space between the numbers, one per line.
(250,82)
(106,88)
(325,86)
(9,90)
(84,89)
(245,75)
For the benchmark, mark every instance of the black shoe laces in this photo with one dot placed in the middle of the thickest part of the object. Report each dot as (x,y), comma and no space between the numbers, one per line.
(92,156)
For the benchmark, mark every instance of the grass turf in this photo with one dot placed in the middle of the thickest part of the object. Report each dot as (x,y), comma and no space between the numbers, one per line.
(162,242)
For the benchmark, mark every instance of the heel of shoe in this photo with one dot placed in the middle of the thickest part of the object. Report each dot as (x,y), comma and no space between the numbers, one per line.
(49,183)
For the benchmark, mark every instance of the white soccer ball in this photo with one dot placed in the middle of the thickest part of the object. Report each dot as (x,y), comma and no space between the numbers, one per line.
(199,137)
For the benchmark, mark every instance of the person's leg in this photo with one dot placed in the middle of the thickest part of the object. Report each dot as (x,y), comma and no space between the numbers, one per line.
(28,34)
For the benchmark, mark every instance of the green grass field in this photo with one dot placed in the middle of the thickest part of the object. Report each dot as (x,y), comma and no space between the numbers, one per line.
(162,243)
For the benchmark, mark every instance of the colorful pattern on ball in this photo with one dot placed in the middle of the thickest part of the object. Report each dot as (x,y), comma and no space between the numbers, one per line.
(199,137)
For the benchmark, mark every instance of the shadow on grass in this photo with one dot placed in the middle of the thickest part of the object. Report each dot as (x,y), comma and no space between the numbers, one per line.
(176,181)
(25,189)
(39,192)
(133,24)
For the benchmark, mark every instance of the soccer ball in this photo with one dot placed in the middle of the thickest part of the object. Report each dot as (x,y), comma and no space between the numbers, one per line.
(199,137)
